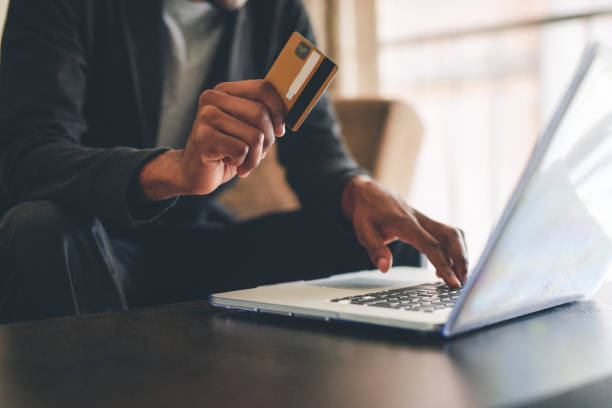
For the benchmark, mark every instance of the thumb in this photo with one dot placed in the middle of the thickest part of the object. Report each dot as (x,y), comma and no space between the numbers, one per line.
(373,241)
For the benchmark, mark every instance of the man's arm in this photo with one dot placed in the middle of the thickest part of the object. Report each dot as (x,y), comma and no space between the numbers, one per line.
(43,83)
(43,80)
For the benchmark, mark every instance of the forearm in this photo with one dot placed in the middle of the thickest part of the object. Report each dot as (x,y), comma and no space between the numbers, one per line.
(94,180)
(353,190)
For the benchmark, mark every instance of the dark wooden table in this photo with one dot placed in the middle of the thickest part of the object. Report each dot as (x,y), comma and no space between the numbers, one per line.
(192,355)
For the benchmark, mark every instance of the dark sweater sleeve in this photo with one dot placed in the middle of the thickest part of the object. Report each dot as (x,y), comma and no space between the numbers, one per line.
(43,84)
(315,158)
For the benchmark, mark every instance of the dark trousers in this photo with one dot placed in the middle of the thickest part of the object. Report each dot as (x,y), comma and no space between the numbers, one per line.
(56,262)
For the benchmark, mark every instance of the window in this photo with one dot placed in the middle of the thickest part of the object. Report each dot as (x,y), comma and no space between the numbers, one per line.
(485,76)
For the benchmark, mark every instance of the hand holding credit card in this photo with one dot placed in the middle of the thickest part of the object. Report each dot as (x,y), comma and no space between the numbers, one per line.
(300,74)
(237,122)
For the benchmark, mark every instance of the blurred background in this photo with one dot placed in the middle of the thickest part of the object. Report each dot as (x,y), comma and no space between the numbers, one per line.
(482,76)
(3,5)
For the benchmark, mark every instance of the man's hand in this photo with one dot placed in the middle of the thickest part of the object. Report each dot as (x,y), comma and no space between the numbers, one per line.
(235,125)
(380,217)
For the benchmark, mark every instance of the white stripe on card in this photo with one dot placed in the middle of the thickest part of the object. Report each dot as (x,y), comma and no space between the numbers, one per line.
(307,68)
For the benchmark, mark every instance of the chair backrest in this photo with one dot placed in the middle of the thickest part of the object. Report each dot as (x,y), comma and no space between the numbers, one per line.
(384,136)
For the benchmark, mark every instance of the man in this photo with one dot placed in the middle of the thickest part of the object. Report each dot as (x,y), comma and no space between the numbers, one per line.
(107,182)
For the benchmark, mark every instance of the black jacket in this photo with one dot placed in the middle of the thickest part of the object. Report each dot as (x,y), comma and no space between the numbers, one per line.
(80,93)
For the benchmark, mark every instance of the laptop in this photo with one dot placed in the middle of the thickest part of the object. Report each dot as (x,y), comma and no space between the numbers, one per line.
(552,244)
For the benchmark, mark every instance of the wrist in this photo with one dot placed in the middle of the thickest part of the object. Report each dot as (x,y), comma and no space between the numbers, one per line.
(162,178)
(351,193)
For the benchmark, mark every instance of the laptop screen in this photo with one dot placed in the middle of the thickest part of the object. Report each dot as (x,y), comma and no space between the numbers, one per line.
(556,243)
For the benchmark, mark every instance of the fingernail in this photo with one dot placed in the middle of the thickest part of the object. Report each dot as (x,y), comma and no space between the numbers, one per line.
(280,130)
(381,265)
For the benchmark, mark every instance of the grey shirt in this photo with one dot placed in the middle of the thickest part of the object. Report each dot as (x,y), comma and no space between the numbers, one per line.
(192,33)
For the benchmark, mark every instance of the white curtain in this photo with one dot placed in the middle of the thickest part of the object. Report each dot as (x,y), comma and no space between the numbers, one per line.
(346,31)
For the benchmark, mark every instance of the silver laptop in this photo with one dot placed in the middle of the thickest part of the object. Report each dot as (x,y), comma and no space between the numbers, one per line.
(552,244)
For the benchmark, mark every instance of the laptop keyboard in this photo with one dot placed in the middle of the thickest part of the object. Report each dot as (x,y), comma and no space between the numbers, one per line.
(423,298)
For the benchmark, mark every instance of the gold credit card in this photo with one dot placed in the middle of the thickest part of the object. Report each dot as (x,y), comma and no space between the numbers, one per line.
(300,74)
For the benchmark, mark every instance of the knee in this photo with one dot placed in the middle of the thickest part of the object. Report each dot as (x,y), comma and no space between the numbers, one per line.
(34,221)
